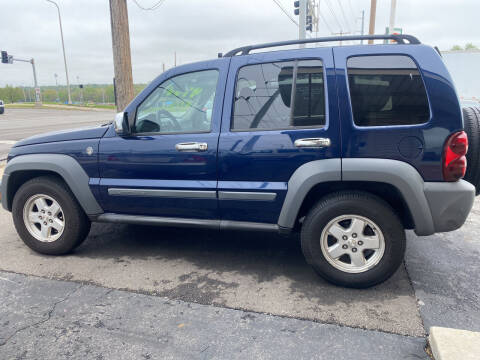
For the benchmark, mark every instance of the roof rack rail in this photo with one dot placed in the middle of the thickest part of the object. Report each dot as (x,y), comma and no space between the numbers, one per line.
(400,39)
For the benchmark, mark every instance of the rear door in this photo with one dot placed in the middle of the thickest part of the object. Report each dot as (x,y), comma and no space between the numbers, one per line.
(280,112)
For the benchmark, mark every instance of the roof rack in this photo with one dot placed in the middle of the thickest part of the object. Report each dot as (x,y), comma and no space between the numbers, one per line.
(400,39)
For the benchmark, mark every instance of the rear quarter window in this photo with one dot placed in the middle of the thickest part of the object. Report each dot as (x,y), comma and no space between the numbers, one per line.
(386,91)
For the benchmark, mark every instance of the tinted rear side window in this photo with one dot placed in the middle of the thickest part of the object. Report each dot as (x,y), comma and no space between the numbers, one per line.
(386,90)
(263,96)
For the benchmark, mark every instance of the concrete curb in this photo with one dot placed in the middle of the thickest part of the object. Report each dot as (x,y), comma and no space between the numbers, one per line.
(454,344)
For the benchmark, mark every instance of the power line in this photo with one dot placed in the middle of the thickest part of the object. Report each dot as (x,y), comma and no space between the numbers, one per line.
(325,22)
(284,11)
(351,9)
(153,7)
(333,13)
(344,16)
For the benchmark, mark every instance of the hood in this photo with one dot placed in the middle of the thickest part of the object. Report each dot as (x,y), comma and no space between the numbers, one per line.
(65,135)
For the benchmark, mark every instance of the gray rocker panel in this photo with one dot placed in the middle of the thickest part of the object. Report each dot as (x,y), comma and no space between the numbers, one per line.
(65,166)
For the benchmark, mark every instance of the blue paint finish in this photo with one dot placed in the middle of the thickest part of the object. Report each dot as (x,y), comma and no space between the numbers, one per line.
(65,135)
(141,161)
(252,185)
(382,142)
(249,158)
(73,148)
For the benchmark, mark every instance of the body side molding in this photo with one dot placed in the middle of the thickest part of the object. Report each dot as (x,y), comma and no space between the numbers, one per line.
(247,195)
(65,166)
(196,194)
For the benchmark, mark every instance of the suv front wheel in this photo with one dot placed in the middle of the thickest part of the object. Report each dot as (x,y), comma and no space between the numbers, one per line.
(353,239)
(47,216)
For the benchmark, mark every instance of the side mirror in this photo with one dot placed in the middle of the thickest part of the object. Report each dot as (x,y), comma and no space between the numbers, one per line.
(121,123)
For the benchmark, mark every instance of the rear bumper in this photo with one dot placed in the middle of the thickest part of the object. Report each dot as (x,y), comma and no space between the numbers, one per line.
(449,203)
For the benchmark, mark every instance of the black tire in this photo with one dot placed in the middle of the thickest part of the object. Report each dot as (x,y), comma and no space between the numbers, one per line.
(77,224)
(2,110)
(471,120)
(361,204)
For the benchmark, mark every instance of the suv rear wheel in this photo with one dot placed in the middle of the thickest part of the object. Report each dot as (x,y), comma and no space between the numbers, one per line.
(353,239)
(47,216)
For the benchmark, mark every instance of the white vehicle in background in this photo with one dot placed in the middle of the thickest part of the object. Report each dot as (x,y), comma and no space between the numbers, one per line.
(2,107)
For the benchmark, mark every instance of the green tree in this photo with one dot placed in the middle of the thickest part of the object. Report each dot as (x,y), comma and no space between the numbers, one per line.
(456,48)
(470,46)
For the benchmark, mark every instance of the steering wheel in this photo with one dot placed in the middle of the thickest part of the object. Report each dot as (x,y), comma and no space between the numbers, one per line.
(176,124)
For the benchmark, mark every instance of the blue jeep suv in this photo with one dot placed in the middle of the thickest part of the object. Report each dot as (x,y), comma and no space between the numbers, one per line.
(350,145)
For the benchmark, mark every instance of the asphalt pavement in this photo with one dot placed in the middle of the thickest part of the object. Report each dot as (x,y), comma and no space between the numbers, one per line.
(16,124)
(202,294)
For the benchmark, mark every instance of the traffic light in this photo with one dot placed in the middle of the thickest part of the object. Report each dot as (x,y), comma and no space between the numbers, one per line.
(4,57)
(309,25)
(296,6)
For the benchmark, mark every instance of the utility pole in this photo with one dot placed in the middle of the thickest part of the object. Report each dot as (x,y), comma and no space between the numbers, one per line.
(174,58)
(302,21)
(122,61)
(363,25)
(63,47)
(56,87)
(373,13)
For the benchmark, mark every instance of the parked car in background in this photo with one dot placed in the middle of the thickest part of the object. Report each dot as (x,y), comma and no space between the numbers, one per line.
(2,107)
(466,103)
(350,145)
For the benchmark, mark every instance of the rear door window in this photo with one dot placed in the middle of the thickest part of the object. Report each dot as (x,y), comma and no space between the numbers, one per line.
(264,98)
(386,90)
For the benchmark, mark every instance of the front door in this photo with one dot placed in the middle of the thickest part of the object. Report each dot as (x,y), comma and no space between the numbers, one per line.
(168,165)
(280,112)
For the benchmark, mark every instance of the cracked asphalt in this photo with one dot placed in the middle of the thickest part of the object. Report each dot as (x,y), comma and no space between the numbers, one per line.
(135,292)
(68,320)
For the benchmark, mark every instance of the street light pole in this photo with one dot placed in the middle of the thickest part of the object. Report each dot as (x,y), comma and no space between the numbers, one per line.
(63,47)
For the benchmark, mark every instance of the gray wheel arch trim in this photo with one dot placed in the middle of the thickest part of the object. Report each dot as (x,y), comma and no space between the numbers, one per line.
(399,174)
(303,179)
(404,177)
(65,166)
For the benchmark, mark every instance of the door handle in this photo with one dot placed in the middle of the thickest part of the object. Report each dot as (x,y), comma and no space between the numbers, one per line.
(313,142)
(191,146)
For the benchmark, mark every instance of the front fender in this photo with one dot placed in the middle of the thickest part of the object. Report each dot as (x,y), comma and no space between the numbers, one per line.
(65,166)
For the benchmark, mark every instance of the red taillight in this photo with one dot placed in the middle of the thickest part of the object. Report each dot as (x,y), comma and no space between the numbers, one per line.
(454,160)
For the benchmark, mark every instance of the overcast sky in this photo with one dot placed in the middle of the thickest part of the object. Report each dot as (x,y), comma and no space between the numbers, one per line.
(196,30)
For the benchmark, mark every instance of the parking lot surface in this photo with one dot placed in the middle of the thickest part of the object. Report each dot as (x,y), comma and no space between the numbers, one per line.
(241,270)
(74,321)
(16,124)
(249,292)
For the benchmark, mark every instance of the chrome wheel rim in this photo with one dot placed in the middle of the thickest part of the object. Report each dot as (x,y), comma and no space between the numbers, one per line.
(352,243)
(44,218)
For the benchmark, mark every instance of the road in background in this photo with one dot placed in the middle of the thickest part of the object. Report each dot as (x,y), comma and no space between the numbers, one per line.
(17,124)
